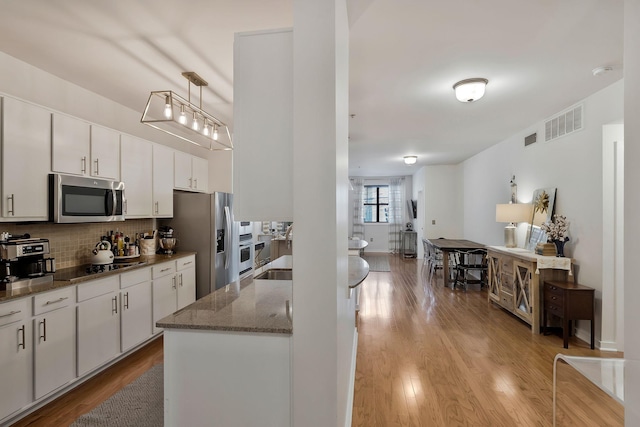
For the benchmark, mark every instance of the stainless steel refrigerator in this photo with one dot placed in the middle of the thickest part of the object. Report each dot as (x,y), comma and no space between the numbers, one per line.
(204,223)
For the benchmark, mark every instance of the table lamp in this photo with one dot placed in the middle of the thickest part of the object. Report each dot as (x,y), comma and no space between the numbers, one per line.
(513,213)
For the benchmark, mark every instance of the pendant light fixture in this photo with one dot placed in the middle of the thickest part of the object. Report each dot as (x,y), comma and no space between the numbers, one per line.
(169,112)
(470,90)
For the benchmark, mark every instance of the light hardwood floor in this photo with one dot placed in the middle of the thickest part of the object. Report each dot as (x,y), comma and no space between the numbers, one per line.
(427,356)
(430,356)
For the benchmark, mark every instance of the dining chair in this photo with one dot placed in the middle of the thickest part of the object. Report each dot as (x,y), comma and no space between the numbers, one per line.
(470,268)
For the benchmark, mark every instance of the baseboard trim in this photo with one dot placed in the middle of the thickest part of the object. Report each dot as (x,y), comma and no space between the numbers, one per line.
(352,382)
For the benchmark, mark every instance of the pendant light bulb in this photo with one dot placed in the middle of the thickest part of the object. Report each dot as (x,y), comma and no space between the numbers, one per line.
(205,131)
(168,111)
(183,116)
(194,125)
(215,132)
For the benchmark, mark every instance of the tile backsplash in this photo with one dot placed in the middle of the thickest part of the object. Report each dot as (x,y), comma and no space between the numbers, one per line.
(71,244)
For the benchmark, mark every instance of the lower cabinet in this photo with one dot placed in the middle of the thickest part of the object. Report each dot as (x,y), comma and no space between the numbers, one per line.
(54,341)
(98,323)
(186,277)
(16,354)
(135,318)
(174,287)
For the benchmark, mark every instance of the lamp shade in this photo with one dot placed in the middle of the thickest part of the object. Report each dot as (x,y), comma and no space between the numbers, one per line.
(470,90)
(514,212)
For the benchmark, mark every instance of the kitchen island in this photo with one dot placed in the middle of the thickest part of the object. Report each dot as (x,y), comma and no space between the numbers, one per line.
(227,357)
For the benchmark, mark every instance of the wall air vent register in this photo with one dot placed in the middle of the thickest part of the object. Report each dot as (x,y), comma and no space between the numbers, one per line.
(567,122)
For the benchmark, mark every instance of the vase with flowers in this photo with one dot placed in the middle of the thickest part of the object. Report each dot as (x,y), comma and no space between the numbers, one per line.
(557,232)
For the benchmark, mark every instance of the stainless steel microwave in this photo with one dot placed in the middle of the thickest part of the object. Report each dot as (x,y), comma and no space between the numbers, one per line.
(82,199)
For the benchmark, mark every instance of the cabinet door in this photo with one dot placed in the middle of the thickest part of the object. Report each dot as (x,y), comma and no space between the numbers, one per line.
(136,315)
(54,361)
(70,145)
(493,264)
(98,332)
(186,287)
(136,173)
(523,292)
(200,174)
(16,375)
(26,129)
(105,153)
(182,178)
(164,298)
(162,181)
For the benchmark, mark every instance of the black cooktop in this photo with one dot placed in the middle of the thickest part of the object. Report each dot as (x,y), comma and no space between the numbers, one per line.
(80,271)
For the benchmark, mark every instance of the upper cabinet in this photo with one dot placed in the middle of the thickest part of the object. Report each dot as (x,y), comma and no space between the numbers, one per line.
(190,173)
(136,173)
(70,145)
(26,161)
(105,153)
(162,181)
(80,148)
(263,125)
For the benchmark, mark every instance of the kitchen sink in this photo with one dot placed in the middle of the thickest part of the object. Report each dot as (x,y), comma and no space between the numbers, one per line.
(275,274)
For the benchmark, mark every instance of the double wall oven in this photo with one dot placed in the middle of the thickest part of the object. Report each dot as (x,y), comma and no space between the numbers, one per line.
(246,249)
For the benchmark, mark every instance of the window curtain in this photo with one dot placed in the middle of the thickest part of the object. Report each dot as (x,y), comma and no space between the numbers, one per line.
(396,213)
(358,221)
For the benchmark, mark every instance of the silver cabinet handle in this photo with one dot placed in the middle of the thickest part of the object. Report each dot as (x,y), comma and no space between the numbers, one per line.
(10,313)
(126,300)
(188,262)
(12,210)
(190,182)
(165,269)
(84,165)
(180,279)
(114,306)
(173,280)
(195,183)
(23,343)
(157,208)
(56,300)
(97,172)
(43,337)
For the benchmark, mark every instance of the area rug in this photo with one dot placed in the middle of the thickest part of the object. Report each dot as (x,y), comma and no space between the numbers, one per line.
(138,404)
(377,262)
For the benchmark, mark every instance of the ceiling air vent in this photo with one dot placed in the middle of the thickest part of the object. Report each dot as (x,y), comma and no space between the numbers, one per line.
(563,124)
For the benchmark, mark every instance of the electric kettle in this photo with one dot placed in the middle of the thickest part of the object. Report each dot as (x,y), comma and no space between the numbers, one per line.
(102,253)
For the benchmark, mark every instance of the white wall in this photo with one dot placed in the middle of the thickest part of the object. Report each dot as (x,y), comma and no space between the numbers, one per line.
(632,208)
(324,317)
(29,83)
(572,164)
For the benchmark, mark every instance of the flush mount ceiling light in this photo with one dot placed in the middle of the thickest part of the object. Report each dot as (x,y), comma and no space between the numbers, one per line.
(410,160)
(470,90)
(172,114)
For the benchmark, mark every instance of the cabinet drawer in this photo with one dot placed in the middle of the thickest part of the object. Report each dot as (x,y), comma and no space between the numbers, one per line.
(555,299)
(95,288)
(186,262)
(506,300)
(506,264)
(554,308)
(506,283)
(134,277)
(550,289)
(14,311)
(49,301)
(163,269)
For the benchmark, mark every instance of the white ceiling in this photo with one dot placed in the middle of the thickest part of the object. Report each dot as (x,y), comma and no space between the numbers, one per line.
(405,57)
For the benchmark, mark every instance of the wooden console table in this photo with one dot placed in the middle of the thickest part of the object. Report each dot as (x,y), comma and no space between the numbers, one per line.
(569,301)
(515,276)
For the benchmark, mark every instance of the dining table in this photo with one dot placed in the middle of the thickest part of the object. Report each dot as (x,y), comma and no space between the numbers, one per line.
(446,246)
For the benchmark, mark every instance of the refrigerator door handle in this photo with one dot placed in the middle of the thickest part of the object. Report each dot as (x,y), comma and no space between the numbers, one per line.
(227,236)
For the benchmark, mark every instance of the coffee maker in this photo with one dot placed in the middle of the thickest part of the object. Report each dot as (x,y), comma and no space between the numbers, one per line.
(22,262)
(166,240)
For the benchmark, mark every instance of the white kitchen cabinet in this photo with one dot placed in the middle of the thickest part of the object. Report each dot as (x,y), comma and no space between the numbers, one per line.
(174,287)
(70,145)
(190,173)
(135,306)
(263,125)
(54,341)
(26,130)
(105,153)
(16,354)
(136,168)
(186,281)
(162,181)
(98,323)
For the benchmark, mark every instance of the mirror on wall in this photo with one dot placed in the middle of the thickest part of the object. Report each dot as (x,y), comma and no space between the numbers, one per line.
(543,201)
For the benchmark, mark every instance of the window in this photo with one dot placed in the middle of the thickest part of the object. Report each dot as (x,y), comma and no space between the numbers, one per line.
(376,203)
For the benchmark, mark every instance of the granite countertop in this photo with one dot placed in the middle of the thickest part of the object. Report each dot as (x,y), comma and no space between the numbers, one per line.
(73,275)
(358,270)
(245,306)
